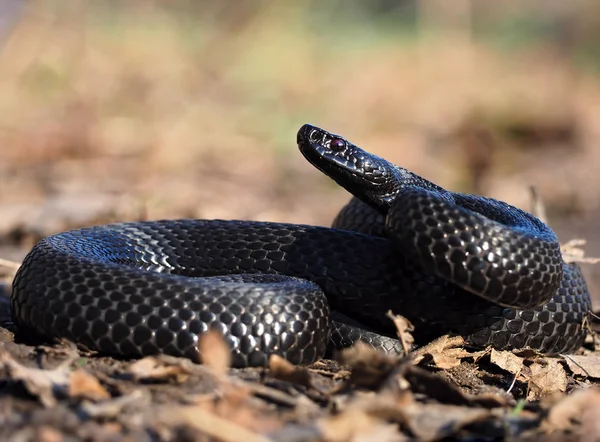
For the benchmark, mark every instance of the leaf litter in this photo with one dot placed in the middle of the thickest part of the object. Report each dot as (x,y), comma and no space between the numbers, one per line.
(440,391)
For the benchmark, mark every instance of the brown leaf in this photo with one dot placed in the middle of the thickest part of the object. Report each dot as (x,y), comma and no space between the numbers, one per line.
(547,376)
(356,425)
(438,421)
(436,387)
(154,368)
(404,329)
(43,384)
(584,365)
(283,370)
(445,352)
(214,351)
(507,360)
(209,423)
(580,406)
(369,367)
(84,385)
(232,414)
(48,434)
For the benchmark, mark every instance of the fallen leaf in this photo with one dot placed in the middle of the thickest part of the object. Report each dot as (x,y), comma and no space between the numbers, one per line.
(445,352)
(438,421)
(153,368)
(369,367)
(214,351)
(404,329)
(507,361)
(84,385)
(283,370)
(48,434)
(235,409)
(580,405)
(356,425)
(436,387)
(43,384)
(584,365)
(547,376)
(223,429)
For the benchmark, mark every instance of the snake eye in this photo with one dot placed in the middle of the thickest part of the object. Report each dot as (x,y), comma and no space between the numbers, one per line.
(337,144)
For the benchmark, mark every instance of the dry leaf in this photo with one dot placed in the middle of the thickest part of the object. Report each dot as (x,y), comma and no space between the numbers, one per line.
(283,370)
(404,329)
(43,384)
(369,367)
(507,360)
(356,425)
(437,421)
(214,351)
(46,433)
(445,352)
(547,376)
(436,387)
(154,368)
(235,410)
(84,385)
(222,429)
(584,365)
(576,407)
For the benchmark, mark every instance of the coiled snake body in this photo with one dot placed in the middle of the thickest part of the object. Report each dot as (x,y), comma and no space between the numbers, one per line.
(449,262)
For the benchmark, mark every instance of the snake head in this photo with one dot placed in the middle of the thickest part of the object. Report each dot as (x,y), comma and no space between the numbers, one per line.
(367,176)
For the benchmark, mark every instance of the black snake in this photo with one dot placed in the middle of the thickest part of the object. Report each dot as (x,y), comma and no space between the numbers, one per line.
(449,262)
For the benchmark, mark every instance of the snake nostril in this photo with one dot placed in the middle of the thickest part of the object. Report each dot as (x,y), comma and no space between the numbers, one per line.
(314,136)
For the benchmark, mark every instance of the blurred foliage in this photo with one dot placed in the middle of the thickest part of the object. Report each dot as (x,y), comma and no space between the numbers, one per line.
(181,85)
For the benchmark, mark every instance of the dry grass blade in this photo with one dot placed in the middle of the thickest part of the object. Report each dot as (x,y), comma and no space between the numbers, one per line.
(573,252)
(11,265)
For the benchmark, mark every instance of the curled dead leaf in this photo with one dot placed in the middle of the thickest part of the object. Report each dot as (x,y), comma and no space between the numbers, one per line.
(404,329)
(281,369)
(369,367)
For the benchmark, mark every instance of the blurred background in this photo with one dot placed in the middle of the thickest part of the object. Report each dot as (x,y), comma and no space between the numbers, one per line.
(126,110)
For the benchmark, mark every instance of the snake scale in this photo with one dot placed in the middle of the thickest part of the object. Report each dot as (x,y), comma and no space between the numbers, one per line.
(449,262)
